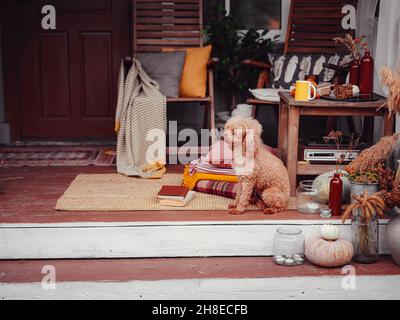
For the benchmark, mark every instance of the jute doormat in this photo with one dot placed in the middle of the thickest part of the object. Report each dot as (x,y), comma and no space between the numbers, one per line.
(113,192)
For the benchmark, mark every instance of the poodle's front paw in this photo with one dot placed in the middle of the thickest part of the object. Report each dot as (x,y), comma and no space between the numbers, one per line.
(271,211)
(236,211)
(232,206)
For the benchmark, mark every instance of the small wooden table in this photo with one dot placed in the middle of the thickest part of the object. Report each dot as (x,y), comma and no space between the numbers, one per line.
(290,111)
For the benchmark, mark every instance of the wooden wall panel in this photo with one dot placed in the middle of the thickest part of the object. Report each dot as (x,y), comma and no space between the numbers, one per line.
(96,74)
(78,6)
(54,75)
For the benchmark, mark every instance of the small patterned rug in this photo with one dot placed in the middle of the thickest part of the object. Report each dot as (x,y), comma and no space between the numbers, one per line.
(56,156)
(113,192)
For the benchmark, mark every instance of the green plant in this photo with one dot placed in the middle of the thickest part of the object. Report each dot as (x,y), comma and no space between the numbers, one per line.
(231,47)
(367,177)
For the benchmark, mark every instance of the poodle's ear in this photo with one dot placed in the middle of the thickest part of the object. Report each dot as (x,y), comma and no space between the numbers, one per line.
(257,127)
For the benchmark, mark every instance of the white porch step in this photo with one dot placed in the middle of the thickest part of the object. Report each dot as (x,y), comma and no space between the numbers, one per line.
(195,278)
(92,240)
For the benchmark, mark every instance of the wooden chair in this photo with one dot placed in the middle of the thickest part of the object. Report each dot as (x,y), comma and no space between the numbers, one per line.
(177,24)
(312,25)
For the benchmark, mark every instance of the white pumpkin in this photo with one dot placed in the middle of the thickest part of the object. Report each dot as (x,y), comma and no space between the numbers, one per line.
(322,185)
(330,232)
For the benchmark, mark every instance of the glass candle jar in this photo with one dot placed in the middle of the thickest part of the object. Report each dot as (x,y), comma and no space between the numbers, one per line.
(307,198)
(289,247)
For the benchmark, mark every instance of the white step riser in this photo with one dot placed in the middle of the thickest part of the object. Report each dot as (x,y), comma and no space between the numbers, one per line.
(312,288)
(212,239)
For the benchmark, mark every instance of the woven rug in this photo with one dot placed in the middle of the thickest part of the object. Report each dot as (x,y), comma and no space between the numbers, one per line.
(55,156)
(113,192)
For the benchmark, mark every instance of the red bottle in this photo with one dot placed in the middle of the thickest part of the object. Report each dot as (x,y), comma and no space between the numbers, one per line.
(355,73)
(367,74)
(335,195)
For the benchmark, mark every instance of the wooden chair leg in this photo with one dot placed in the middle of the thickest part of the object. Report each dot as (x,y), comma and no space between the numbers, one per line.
(206,120)
(212,122)
(209,120)
(255,111)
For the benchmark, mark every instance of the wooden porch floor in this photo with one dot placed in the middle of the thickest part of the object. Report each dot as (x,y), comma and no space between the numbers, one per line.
(120,255)
(31,195)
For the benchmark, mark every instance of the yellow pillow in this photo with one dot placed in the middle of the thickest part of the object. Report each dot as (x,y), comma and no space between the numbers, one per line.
(194,75)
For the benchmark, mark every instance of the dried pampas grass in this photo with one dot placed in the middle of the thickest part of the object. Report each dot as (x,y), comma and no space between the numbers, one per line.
(375,156)
(391,80)
(351,44)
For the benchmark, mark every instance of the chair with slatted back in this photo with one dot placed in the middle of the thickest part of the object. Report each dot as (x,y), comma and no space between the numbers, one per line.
(312,25)
(159,24)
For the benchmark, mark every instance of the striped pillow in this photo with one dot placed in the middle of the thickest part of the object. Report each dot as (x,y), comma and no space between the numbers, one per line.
(287,69)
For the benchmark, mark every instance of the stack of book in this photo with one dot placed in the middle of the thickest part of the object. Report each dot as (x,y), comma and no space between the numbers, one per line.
(175,196)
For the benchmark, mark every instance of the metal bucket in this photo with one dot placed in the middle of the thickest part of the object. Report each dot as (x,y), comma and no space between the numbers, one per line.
(357,189)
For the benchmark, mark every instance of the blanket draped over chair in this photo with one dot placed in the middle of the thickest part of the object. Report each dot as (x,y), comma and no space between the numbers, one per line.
(141,110)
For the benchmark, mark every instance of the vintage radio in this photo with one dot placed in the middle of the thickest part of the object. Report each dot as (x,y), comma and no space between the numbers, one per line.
(320,155)
(320,152)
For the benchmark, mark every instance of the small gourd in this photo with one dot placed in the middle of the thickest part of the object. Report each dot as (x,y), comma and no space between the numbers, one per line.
(330,232)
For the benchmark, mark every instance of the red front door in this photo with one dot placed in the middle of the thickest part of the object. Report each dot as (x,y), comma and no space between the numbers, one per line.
(68,76)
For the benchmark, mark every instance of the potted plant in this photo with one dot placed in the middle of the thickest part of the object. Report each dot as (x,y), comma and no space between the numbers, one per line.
(231,47)
(361,181)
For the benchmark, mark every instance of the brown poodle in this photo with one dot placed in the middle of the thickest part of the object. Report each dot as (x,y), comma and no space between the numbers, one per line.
(257,168)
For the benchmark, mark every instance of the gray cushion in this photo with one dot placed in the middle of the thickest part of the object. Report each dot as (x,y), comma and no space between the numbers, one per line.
(165,68)
(287,69)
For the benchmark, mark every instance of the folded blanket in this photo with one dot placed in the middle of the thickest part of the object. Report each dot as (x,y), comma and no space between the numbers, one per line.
(190,180)
(221,188)
(217,188)
(198,166)
(141,108)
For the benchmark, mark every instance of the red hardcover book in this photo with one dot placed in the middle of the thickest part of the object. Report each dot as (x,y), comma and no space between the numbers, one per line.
(173,192)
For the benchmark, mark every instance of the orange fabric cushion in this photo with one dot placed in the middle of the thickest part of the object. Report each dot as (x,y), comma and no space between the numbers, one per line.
(194,75)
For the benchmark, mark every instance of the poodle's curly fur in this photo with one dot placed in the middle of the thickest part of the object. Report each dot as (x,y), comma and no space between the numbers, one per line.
(267,174)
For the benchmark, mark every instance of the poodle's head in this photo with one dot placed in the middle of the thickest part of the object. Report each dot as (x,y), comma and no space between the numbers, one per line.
(239,131)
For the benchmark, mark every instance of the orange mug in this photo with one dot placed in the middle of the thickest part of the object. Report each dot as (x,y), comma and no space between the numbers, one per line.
(304,91)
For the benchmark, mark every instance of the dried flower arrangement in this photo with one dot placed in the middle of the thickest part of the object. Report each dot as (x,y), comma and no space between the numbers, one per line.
(369,208)
(391,80)
(390,189)
(353,44)
(375,156)
(336,137)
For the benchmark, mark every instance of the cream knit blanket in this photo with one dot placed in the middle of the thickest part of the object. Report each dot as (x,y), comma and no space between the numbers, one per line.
(141,109)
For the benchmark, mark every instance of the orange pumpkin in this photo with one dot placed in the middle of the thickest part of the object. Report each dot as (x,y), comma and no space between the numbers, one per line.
(329,254)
